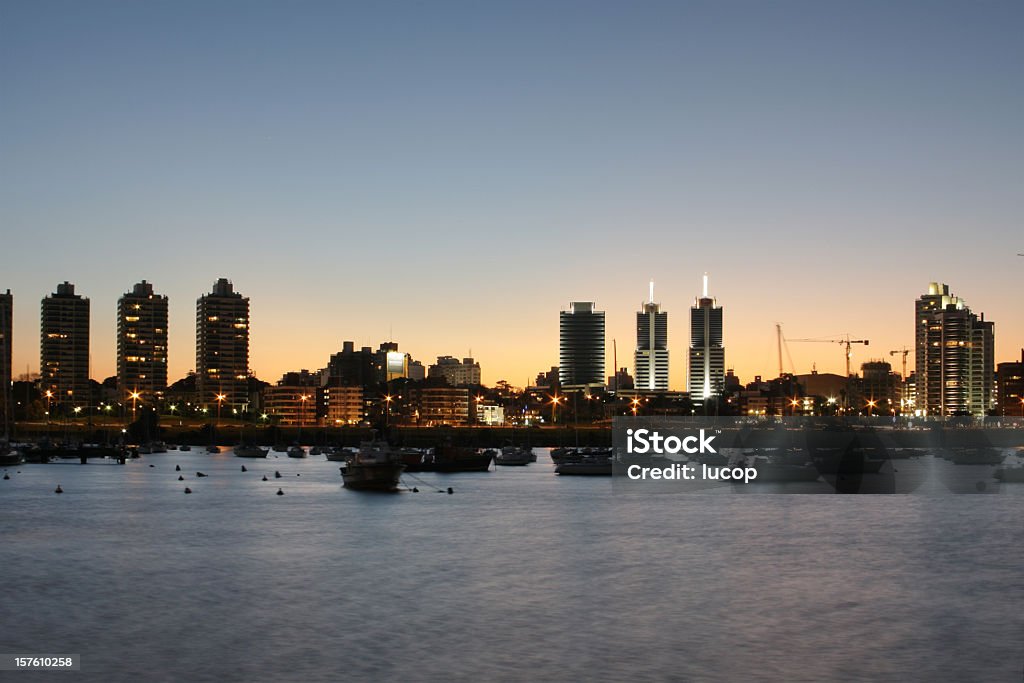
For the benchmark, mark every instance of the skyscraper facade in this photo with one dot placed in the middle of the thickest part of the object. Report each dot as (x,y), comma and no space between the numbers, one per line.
(142,344)
(650,361)
(707,352)
(222,346)
(581,346)
(954,356)
(6,330)
(64,348)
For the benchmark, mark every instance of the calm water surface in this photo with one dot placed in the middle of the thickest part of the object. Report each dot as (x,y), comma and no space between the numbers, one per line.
(520,575)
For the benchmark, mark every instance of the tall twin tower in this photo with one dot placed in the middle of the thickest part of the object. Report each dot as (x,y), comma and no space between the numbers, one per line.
(582,347)
(706,375)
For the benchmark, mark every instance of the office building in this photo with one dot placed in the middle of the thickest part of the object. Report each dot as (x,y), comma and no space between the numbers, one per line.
(954,356)
(707,352)
(222,347)
(581,346)
(64,349)
(650,361)
(142,345)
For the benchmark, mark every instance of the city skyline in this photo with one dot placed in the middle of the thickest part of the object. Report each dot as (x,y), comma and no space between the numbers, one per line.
(677,350)
(415,174)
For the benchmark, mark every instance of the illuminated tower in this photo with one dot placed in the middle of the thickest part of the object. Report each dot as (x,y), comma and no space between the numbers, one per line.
(142,344)
(64,348)
(650,362)
(581,345)
(954,355)
(222,346)
(707,354)
(6,328)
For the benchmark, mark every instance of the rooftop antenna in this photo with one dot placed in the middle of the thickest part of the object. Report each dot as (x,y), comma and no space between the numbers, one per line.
(705,285)
(651,300)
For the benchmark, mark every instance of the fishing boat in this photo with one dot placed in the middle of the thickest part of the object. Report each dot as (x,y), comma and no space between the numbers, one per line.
(296,452)
(590,465)
(250,451)
(374,467)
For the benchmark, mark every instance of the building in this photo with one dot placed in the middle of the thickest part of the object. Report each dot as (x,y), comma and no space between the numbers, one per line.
(344,405)
(436,406)
(142,344)
(370,369)
(490,415)
(707,352)
(620,381)
(455,372)
(581,346)
(954,356)
(64,348)
(295,400)
(6,335)
(1010,387)
(879,388)
(650,361)
(222,347)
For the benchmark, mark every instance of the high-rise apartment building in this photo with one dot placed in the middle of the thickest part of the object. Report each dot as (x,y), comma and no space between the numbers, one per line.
(6,330)
(142,344)
(222,346)
(650,361)
(581,346)
(64,348)
(954,356)
(1010,387)
(707,352)
(456,373)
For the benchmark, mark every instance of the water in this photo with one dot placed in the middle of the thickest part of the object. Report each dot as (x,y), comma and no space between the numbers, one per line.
(520,575)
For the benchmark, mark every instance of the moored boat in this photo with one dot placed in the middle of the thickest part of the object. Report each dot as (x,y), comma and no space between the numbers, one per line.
(250,451)
(590,465)
(374,467)
(514,455)
(296,452)
(447,458)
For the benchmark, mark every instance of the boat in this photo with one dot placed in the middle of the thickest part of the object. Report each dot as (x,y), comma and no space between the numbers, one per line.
(514,455)
(374,467)
(9,456)
(784,466)
(976,456)
(317,450)
(250,451)
(296,452)
(184,447)
(213,449)
(447,458)
(340,453)
(591,465)
(152,447)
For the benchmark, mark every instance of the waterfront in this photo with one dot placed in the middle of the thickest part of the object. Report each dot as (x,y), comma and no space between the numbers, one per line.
(520,574)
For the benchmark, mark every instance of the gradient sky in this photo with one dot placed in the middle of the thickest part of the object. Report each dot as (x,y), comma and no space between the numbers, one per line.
(453,174)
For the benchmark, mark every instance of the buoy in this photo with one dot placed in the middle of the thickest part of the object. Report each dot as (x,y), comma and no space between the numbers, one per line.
(450,492)
(243,469)
(415,490)
(59,489)
(277,475)
(188,490)
(200,474)
(151,465)
(177,468)
(181,478)
(265,478)
(280,492)
(297,474)
(6,476)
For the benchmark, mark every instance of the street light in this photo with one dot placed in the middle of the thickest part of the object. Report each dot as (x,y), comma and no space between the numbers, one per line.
(220,402)
(555,400)
(134,396)
(387,409)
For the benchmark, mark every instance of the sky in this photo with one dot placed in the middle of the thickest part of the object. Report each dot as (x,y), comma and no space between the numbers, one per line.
(450,175)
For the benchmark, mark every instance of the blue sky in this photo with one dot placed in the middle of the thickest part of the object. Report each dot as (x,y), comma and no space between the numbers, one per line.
(455,173)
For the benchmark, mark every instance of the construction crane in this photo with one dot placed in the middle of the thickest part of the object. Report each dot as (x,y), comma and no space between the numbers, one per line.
(903,351)
(847,342)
